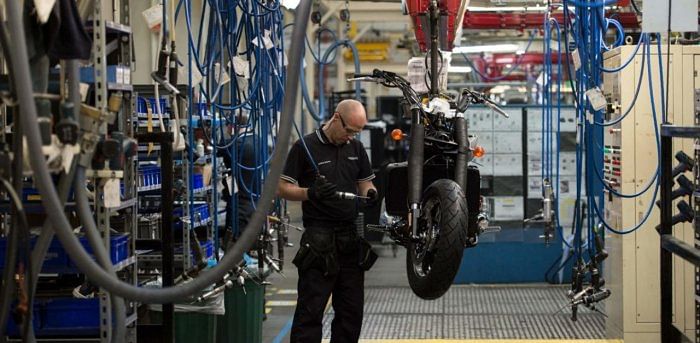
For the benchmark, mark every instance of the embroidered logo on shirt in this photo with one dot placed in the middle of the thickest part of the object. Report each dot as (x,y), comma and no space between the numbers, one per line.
(352,158)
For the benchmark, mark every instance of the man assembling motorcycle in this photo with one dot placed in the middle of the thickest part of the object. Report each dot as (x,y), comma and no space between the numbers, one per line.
(332,258)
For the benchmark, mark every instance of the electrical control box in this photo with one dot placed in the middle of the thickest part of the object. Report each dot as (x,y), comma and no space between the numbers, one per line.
(630,163)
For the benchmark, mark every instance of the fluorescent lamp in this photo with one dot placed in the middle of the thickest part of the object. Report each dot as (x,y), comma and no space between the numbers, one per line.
(459,69)
(507,9)
(486,48)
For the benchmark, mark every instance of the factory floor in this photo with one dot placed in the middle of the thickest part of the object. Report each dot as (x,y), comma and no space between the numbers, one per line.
(467,313)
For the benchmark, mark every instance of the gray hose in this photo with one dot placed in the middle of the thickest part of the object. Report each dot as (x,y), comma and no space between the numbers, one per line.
(63,228)
(42,244)
(93,235)
(64,185)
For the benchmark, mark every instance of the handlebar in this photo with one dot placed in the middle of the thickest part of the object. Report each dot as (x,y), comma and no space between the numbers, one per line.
(369,78)
(478,98)
(393,80)
(496,108)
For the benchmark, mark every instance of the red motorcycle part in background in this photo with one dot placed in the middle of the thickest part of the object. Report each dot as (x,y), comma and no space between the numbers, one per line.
(451,17)
(521,20)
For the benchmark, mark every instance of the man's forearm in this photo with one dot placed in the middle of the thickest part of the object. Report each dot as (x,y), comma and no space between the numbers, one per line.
(291,191)
(365,186)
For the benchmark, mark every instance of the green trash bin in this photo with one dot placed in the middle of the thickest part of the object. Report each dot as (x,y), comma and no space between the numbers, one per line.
(243,320)
(195,327)
(193,322)
(191,326)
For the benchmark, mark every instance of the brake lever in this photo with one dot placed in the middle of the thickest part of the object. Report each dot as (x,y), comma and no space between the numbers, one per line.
(486,101)
(495,108)
(365,78)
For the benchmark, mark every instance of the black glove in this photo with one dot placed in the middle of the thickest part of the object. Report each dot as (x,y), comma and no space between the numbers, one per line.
(372,198)
(322,190)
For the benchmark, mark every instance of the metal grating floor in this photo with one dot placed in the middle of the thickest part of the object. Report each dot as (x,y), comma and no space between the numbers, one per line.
(474,312)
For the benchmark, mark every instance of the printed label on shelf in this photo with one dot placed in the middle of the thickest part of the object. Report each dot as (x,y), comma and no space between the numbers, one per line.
(153,17)
(84,89)
(68,153)
(230,184)
(577,59)
(267,41)
(597,99)
(220,74)
(240,67)
(112,192)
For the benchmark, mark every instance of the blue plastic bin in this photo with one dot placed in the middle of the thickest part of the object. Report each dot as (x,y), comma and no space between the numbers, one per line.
(57,260)
(200,212)
(63,317)
(197,181)
(141,105)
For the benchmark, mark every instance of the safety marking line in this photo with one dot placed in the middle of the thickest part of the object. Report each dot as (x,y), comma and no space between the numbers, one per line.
(269,294)
(486,341)
(268,310)
(287,291)
(283,333)
(281,303)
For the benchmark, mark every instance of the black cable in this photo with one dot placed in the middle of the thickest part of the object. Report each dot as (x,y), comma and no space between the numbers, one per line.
(636,9)
(668,59)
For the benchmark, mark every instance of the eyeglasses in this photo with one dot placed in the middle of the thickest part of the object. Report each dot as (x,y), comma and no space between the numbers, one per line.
(349,131)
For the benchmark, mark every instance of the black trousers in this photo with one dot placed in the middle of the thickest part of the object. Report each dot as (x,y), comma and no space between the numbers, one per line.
(314,289)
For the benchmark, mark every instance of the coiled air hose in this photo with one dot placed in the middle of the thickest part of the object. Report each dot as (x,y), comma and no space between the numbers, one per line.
(53,206)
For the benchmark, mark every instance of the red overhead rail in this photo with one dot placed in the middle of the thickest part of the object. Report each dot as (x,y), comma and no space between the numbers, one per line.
(525,20)
(495,65)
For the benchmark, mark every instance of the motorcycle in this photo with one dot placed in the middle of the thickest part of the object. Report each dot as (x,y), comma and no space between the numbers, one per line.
(433,199)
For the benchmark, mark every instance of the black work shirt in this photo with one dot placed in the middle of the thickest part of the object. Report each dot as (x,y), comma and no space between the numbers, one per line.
(344,165)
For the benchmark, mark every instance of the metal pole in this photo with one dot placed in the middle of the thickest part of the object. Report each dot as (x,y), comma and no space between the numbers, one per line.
(166,170)
(434,49)
(666,257)
(696,221)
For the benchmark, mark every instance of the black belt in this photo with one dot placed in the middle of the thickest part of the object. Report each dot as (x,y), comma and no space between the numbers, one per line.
(337,226)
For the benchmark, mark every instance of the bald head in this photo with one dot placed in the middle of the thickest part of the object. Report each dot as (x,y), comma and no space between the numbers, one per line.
(348,120)
(353,113)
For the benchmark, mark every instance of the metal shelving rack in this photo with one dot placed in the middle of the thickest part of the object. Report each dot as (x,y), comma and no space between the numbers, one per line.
(102,30)
(671,245)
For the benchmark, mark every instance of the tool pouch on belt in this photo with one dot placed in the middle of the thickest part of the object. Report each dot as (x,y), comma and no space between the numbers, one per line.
(367,255)
(317,250)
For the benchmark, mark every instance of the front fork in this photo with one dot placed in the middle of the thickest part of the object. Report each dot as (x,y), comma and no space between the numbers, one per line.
(415,168)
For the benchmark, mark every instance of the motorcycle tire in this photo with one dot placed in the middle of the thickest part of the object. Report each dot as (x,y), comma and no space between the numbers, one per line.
(432,264)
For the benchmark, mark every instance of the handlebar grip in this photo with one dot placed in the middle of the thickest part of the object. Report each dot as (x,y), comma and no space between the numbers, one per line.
(496,108)
(362,75)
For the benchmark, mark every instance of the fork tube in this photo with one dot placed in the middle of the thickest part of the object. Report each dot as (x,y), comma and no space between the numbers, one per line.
(415,167)
(434,49)
(463,152)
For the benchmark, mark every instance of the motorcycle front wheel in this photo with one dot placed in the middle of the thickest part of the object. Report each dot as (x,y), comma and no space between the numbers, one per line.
(433,262)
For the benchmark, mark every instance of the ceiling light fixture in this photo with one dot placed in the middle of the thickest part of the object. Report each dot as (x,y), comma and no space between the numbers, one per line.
(486,48)
(459,69)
